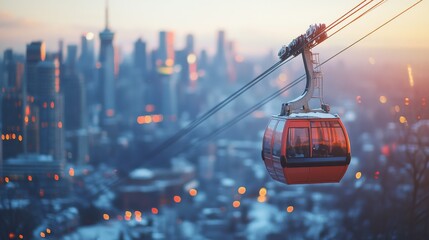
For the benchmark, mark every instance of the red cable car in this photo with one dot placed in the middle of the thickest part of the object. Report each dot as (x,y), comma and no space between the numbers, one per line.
(303,145)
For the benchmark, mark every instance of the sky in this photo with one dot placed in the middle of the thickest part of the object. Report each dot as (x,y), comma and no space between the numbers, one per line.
(257,26)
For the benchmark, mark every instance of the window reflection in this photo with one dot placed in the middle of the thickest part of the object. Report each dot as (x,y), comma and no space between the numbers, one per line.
(328,140)
(298,143)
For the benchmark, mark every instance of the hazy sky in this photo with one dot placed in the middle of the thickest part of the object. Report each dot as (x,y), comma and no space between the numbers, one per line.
(256,25)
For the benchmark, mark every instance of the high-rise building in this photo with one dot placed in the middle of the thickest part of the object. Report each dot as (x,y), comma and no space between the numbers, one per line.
(87,58)
(165,54)
(87,67)
(13,72)
(51,110)
(107,73)
(12,124)
(75,118)
(220,63)
(35,53)
(140,58)
(189,48)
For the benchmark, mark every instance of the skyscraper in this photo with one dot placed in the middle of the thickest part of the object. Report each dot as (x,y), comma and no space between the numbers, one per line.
(35,53)
(13,72)
(140,58)
(11,122)
(220,63)
(189,48)
(75,121)
(107,73)
(165,54)
(86,58)
(51,110)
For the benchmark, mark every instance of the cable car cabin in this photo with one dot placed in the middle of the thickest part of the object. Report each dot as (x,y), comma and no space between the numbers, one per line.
(306,148)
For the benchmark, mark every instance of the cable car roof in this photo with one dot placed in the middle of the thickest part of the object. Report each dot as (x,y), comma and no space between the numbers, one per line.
(308,115)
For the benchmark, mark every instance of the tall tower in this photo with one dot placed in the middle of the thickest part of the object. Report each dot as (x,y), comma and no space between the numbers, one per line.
(140,58)
(107,73)
(11,123)
(35,53)
(51,110)
(75,122)
(189,48)
(220,63)
(165,54)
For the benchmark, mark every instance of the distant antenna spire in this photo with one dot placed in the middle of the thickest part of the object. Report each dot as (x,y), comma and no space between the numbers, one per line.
(107,14)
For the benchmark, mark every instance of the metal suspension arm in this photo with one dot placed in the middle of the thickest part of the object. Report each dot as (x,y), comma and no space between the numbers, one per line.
(301,103)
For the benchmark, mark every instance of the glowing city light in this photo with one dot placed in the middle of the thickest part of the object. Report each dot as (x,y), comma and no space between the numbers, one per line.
(191,58)
(140,120)
(376,174)
(157,118)
(406,101)
(29,178)
(236,204)
(193,192)
(154,211)
(169,62)
(6,180)
(150,108)
(358,175)
(289,209)
(89,36)
(177,199)
(71,172)
(60,124)
(410,75)
(42,235)
(193,76)
(128,214)
(397,108)
(263,191)
(383,99)
(262,199)
(56,177)
(48,231)
(402,119)
(241,190)
(147,119)
(110,112)
(106,217)
(358,99)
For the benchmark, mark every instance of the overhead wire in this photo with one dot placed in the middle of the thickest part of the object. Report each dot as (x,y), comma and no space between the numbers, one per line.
(246,113)
(178,135)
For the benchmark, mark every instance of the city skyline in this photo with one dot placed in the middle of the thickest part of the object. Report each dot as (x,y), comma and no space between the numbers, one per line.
(257,26)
